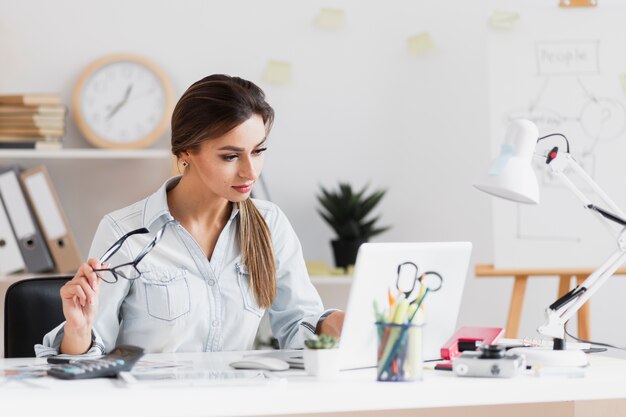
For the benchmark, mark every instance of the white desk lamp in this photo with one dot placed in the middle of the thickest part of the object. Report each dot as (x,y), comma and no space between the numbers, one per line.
(511,177)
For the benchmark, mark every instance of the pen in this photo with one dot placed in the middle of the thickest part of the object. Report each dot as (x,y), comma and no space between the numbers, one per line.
(58,361)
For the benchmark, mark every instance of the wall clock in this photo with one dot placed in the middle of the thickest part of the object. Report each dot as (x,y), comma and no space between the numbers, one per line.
(122,101)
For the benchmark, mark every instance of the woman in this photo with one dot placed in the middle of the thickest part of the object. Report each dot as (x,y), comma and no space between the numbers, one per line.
(210,260)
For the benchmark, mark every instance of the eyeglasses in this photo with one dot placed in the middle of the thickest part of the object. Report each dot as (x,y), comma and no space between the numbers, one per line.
(430,279)
(127,270)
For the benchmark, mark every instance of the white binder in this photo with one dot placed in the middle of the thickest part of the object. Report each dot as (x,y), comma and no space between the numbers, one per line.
(43,198)
(29,238)
(10,257)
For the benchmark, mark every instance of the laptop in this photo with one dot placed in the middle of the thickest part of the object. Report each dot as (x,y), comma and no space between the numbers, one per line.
(375,272)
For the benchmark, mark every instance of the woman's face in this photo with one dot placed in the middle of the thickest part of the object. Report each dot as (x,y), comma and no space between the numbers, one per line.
(228,166)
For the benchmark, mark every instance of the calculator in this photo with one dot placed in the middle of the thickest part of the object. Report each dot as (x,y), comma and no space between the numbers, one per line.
(120,359)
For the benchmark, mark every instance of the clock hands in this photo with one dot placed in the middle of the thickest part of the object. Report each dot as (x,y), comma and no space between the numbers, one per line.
(119,105)
(144,94)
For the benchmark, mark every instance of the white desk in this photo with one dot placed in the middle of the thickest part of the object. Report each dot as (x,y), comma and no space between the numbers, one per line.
(601,393)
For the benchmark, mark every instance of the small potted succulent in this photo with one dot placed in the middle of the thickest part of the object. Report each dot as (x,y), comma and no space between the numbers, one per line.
(347,211)
(321,356)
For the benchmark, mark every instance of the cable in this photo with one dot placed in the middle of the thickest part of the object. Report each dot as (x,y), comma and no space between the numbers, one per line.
(591,342)
(556,134)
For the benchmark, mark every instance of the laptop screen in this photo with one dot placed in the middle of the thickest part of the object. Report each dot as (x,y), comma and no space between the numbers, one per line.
(375,273)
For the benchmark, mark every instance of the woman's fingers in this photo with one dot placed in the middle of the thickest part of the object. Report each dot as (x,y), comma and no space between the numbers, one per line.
(81,289)
(92,277)
(74,292)
(84,286)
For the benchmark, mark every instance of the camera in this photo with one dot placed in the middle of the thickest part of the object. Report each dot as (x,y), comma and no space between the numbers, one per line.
(489,361)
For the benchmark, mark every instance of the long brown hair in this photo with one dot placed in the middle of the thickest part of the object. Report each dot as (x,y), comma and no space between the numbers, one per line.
(210,108)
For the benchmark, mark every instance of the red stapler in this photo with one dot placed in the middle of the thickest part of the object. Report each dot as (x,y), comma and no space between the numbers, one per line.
(466,338)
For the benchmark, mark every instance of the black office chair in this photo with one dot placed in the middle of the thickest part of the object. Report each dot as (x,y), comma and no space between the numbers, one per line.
(32,307)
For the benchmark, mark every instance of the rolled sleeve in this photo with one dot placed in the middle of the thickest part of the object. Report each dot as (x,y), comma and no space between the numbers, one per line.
(311,323)
(297,307)
(52,343)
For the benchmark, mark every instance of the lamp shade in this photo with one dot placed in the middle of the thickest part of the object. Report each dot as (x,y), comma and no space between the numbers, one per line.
(511,175)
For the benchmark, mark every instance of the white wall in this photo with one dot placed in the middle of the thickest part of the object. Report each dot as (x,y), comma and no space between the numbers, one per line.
(358,108)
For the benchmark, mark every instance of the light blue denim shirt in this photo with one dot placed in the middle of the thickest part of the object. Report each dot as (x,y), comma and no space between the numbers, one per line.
(184,302)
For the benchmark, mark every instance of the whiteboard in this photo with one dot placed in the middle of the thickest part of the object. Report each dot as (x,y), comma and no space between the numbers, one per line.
(563,69)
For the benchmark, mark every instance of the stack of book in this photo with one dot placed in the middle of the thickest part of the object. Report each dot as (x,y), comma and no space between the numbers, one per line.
(32,121)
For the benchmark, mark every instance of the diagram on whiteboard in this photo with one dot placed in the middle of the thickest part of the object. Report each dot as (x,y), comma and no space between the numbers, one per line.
(566,81)
(600,118)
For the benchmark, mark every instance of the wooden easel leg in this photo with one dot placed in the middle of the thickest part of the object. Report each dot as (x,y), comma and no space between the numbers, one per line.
(584,325)
(515,309)
(564,284)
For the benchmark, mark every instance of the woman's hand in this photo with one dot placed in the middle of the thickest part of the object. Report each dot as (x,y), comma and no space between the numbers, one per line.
(80,303)
(332,324)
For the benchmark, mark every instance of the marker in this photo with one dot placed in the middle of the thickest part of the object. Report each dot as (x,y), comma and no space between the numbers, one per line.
(58,361)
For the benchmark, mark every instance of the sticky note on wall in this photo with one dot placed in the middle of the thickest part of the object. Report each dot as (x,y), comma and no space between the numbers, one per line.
(420,44)
(330,19)
(278,72)
(501,19)
(578,3)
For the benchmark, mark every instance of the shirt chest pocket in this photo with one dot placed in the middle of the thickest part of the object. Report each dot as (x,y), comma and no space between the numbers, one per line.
(247,294)
(167,293)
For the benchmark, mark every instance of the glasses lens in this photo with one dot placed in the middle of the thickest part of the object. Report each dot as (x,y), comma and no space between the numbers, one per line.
(128,271)
(107,276)
(431,280)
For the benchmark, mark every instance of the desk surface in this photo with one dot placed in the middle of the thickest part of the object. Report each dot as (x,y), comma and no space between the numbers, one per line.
(294,393)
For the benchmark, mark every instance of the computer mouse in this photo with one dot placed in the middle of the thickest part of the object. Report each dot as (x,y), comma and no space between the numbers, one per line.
(260,362)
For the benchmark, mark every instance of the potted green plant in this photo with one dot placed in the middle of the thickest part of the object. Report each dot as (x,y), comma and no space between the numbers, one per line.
(321,358)
(347,211)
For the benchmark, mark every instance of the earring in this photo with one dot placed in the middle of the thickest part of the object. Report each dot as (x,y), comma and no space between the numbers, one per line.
(185,164)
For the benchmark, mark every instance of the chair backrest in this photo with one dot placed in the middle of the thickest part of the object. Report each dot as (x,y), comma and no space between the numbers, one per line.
(32,307)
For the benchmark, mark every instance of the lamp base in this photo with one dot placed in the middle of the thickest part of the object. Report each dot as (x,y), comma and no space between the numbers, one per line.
(545,356)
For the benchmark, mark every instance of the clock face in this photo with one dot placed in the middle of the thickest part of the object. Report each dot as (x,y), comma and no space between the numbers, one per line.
(122,102)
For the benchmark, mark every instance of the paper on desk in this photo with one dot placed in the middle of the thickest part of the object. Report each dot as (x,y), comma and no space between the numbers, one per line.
(195,377)
(27,371)
(150,366)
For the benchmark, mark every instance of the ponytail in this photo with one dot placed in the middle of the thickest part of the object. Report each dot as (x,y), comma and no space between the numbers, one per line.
(257,253)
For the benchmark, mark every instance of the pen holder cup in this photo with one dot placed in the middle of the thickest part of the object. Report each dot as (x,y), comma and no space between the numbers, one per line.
(399,352)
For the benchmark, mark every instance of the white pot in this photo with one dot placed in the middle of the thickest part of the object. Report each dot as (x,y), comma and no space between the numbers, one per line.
(322,363)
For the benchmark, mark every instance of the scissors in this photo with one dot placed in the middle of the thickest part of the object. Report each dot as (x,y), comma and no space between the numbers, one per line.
(431,279)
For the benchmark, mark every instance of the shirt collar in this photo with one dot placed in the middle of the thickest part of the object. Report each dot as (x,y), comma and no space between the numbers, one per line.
(157,212)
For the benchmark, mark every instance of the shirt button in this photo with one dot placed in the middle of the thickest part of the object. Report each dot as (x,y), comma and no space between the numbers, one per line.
(211,282)
(215,323)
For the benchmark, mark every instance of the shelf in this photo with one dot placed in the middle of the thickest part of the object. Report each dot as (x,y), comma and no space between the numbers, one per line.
(86,154)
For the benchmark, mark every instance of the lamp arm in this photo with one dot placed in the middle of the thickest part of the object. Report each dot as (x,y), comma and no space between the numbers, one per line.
(565,160)
(559,312)
(565,307)
(558,166)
